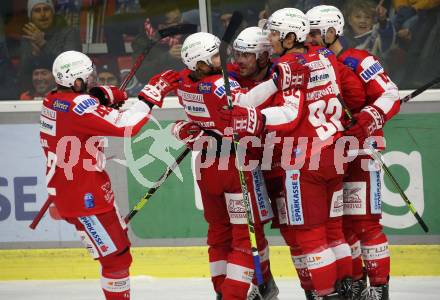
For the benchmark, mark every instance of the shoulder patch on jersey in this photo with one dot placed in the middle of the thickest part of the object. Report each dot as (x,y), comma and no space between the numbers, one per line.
(220,91)
(326,52)
(61,105)
(84,103)
(204,87)
(371,68)
(351,62)
(49,113)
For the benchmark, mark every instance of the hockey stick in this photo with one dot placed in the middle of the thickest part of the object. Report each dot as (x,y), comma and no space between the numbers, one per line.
(141,203)
(234,24)
(376,155)
(163,33)
(420,90)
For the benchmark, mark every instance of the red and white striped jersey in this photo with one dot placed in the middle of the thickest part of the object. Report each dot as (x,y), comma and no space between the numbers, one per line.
(71,130)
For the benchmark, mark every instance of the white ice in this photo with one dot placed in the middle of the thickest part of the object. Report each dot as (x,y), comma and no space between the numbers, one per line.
(145,288)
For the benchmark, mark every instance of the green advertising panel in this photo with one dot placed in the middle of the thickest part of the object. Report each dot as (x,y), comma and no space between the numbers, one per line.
(413,146)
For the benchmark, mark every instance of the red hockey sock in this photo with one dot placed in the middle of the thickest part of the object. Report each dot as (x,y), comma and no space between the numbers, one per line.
(375,253)
(239,276)
(300,263)
(116,286)
(340,248)
(218,257)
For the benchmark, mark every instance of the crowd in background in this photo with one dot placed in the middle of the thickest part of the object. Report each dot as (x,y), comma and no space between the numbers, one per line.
(403,34)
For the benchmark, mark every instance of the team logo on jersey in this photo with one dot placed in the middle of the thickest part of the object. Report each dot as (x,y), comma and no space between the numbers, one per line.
(371,72)
(84,105)
(60,105)
(89,201)
(204,87)
(294,205)
(351,62)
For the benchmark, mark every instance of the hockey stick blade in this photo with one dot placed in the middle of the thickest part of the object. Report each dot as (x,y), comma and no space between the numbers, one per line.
(420,90)
(186,28)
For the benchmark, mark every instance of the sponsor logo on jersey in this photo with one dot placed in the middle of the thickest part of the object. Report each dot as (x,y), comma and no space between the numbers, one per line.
(204,87)
(316,65)
(85,104)
(294,205)
(236,208)
(99,235)
(315,95)
(192,97)
(324,51)
(354,198)
(337,205)
(221,90)
(371,71)
(351,62)
(48,126)
(264,209)
(89,200)
(60,105)
(196,109)
(49,113)
(207,124)
(318,78)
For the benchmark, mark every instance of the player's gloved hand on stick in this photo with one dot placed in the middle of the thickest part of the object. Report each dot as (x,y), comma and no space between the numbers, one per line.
(159,86)
(291,75)
(109,95)
(368,120)
(244,121)
(187,132)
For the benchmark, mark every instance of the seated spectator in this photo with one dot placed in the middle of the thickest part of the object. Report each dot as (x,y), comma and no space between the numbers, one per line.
(107,75)
(46,34)
(42,79)
(166,53)
(368,27)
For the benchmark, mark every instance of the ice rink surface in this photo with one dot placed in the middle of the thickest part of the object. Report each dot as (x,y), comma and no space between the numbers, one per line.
(145,288)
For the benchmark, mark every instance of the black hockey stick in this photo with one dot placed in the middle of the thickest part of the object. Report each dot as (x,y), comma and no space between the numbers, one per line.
(163,33)
(376,155)
(420,90)
(234,24)
(141,203)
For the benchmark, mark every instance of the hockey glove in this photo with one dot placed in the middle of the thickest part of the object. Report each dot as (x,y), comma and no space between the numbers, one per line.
(244,121)
(109,95)
(187,132)
(291,75)
(159,86)
(370,119)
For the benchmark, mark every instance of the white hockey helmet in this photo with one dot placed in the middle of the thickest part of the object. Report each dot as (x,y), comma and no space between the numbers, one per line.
(323,17)
(253,40)
(200,46)
(71,65)
(288,20)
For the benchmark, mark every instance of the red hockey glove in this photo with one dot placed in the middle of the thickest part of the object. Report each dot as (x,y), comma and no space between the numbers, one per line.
(291,75)
(159,86)
(187,132)
(244,121)
(109,95)
(369,120)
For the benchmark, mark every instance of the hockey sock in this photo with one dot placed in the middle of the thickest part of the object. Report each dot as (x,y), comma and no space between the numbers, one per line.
(340,248)
(375,252)
(116,286)
(218,257)
(320,259)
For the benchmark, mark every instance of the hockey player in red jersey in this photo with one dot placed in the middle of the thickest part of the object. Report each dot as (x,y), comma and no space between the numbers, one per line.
(361,222)
(308,196)
(72,124)
(203,97)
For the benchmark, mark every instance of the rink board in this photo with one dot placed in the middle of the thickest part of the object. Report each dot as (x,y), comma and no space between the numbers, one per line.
(176,262)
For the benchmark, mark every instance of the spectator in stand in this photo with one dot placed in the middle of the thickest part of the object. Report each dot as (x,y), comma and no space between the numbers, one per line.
(42,79)
(7,72)
(418,24)
(107,76)
(166,53)
(369,27)
(45,35)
